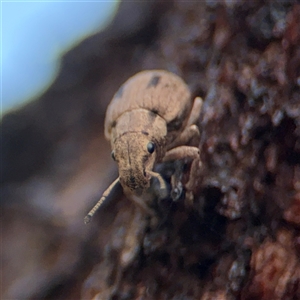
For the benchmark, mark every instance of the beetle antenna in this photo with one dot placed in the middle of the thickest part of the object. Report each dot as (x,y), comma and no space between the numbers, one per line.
(163,186)
(106,193)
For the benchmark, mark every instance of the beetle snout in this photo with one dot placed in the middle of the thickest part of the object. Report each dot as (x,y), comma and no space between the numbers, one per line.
(135,181)
(132,182)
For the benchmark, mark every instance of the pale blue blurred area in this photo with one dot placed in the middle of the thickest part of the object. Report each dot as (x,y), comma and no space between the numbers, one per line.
(36,34)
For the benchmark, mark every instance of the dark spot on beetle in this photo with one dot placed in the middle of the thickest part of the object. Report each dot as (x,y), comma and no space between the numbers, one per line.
(145,133)
(113,124)
(155,111)
(119,93)
(132,179)
(153,81)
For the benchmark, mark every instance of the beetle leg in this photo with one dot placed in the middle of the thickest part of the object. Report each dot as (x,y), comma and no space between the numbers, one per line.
(195,112)
(182,152)
(189,152)
(163,191)
(176,178)
(191,184)
(106,193)
(188,135)
(191,130)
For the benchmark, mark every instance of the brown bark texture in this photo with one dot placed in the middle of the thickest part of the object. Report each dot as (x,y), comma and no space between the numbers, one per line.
(238,239)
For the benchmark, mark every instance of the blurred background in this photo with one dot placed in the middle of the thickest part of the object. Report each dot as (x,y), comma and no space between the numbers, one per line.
(61,64)
(34,37)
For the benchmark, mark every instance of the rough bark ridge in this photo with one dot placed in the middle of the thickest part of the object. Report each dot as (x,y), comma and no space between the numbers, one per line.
(240,237)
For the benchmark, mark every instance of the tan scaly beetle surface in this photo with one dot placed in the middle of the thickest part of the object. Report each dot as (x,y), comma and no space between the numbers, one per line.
(150,120)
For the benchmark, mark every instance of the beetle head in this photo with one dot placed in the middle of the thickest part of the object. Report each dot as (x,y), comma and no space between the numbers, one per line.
(135,153)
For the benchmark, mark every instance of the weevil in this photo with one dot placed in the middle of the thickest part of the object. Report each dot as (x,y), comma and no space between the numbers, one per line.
(150,120)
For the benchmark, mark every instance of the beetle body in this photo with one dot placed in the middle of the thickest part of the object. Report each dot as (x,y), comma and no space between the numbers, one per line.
(148,121)
(159,93)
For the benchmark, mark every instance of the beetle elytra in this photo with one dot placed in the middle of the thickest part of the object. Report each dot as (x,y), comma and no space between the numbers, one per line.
(150,120)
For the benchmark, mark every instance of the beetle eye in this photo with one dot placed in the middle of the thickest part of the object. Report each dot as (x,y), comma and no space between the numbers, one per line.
(113,155)
(150,147)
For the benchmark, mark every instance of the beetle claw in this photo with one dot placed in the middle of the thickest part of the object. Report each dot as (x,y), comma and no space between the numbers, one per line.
(177,192)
